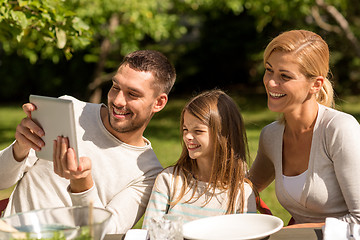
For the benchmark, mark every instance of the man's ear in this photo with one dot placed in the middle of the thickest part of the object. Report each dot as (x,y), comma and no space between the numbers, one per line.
(160,102)
(317,84)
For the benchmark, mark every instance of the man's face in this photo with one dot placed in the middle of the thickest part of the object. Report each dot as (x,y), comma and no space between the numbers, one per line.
(131,100)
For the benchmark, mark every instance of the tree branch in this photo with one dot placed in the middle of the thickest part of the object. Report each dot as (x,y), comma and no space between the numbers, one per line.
(321,23)
(342,22)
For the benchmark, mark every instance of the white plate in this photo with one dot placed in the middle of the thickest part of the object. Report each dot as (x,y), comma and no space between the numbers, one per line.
(232,226)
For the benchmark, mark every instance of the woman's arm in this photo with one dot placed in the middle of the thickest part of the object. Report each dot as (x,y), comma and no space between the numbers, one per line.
(343,140)
(262,171)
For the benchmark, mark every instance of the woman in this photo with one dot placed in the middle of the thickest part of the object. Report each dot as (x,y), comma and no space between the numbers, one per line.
(313,151)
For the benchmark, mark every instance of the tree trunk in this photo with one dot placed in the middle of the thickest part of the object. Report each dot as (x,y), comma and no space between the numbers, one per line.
(95,86)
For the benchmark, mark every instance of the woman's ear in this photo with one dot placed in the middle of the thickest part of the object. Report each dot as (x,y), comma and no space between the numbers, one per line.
(317,84)
(160,102)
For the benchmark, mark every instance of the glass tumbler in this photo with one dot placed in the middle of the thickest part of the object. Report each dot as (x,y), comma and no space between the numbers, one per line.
(166,227)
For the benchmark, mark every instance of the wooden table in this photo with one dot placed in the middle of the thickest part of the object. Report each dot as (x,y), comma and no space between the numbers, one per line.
(114,236)
(283,234)
(298,234)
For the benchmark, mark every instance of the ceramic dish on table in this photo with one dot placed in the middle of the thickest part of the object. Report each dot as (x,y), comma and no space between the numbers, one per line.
(232,227)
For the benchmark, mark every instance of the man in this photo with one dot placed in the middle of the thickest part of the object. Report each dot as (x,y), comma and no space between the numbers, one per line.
(117,166)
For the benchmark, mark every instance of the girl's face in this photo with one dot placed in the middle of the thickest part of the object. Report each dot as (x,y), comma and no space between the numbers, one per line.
(196,136)
(287,88)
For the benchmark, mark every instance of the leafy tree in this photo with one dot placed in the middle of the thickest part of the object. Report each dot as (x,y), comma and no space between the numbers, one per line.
(103,31)
(41,28)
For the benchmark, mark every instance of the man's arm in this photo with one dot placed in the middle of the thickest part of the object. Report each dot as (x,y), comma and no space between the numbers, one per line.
(127,206)
(28,136)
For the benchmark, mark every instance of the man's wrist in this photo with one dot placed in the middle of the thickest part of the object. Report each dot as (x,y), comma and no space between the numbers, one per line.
(18,153)
(81,185)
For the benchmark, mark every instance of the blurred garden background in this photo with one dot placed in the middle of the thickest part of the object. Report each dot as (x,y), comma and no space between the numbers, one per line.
(73,47)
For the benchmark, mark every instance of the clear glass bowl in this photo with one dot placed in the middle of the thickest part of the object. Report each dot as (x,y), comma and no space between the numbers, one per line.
(58,224)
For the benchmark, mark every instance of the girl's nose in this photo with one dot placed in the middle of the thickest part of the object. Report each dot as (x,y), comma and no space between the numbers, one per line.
(188,136)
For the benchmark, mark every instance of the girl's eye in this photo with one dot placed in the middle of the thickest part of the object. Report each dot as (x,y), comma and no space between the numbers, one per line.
(184,129)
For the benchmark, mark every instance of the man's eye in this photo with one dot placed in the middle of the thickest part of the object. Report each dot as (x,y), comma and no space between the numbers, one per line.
(116,88)
(268,70)
(132,94)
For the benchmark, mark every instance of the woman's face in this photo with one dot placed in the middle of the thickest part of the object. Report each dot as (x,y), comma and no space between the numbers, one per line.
(287,88)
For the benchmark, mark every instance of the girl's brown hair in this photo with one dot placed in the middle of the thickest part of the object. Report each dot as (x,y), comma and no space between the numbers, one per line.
(230,153)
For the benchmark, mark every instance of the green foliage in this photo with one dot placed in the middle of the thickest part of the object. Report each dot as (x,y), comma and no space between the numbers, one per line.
(41,28)
(127,23)
(225,36)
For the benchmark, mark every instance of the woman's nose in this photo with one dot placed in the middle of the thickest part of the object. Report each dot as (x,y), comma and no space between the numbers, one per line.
(271,82)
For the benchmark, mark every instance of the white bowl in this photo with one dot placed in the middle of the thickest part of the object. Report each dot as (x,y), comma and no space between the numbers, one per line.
(232,226)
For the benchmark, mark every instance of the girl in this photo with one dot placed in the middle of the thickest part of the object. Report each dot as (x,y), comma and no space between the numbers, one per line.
(209,177)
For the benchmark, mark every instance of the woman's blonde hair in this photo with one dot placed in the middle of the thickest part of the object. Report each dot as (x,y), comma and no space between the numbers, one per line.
(230,153)
(312,54)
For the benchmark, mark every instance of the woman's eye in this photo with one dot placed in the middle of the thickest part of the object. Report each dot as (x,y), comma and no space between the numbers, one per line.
(286,77)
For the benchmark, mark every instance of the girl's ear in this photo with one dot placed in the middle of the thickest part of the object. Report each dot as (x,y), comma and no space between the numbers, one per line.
(160,102)
(317,84)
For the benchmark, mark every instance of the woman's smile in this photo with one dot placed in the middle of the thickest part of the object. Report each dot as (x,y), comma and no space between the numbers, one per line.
(276,95)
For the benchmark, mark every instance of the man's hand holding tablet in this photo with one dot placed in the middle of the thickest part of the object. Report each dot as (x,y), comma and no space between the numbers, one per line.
(56,117)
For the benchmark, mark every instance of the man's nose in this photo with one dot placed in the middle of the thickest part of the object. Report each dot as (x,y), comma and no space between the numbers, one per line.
(120,99)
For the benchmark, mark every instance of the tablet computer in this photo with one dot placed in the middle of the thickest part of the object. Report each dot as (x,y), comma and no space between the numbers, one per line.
(56,117)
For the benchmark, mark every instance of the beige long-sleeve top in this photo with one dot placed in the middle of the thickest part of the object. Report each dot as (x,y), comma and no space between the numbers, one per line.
(332,186)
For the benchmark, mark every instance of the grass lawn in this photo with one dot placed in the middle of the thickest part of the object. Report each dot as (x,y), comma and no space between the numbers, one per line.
(163,131)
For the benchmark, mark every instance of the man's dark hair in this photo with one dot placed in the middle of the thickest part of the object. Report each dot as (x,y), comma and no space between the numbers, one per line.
(156,63)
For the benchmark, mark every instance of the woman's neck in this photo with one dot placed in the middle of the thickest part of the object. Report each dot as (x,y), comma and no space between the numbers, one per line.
(302,120)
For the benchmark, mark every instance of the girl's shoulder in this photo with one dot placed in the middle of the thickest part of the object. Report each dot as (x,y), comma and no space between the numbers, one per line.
(167,180)
(166,176)
(166,173)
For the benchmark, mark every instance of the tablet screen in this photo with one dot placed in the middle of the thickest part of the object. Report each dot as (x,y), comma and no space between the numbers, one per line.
(56,117)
